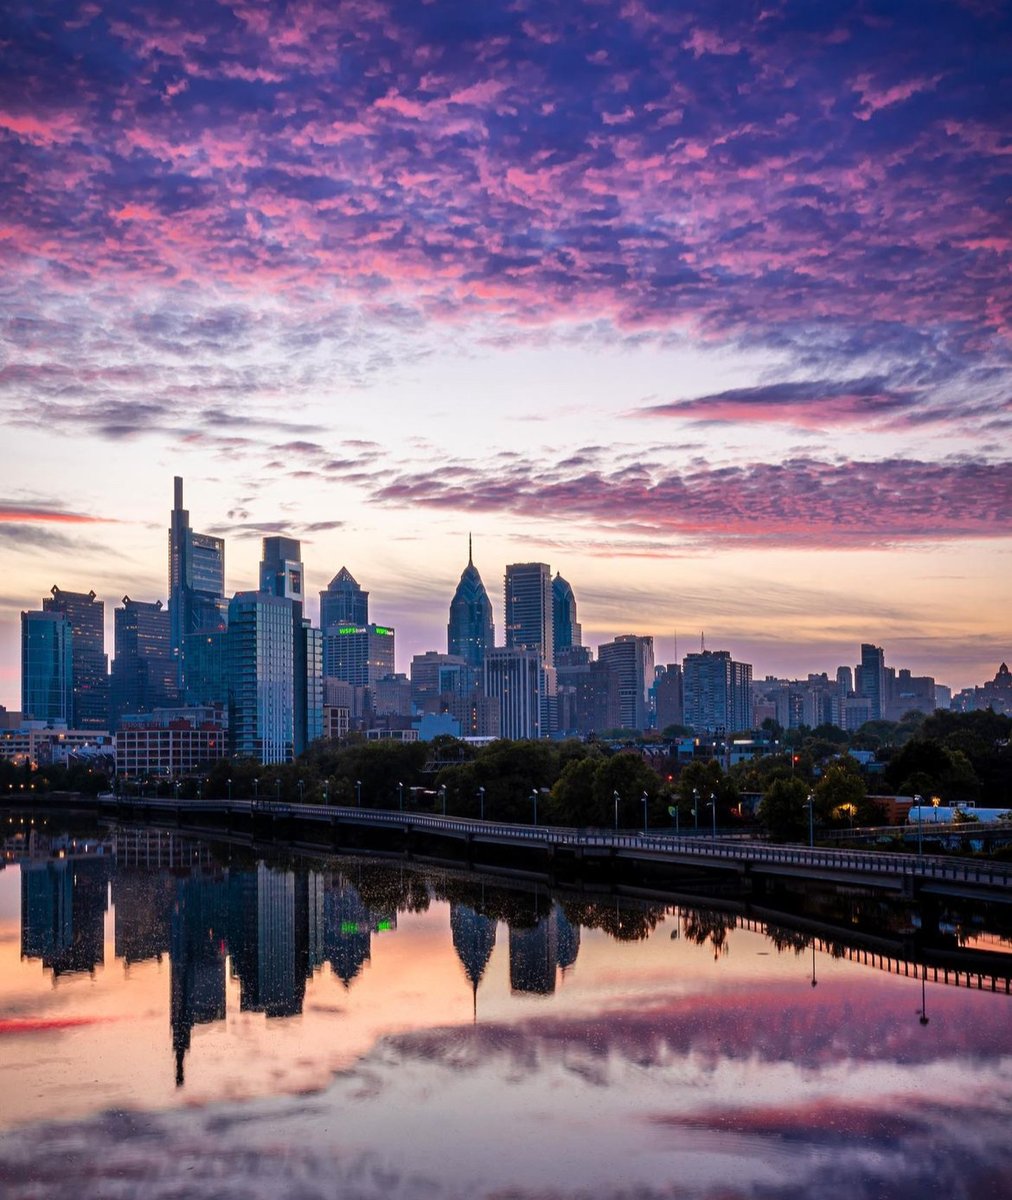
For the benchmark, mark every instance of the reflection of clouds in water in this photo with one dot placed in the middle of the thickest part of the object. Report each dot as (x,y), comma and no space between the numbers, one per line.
(934,1151)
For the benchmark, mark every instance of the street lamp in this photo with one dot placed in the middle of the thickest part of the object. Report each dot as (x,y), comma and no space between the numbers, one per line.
(400,796)
(358,792)
(302,791)
(277,789)
(646,800)
(534,801)
(919,801)
(924,1006)
(712,805)
(326,791)
(695,806)
(810,805)
(442,796)
(256,792)
(481,803)
(615,796)
(229,791)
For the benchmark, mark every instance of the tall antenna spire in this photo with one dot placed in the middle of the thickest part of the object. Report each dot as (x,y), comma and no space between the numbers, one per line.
(702,642)
(470,561)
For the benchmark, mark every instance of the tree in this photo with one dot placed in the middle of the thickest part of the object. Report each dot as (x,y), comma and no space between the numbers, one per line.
(782,809)
(840,793)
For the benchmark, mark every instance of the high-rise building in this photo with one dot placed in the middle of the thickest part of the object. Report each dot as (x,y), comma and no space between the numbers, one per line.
(343,602)
(47,672)
(631,658)
(528,609)
(144,672)
(470,631)
(588,697)
(261,675)
(668,703)
(282,575)
(196,582)
(566,631)
(90,663)
(281,571)
(358,654)
(871,683)
(717,692)
(524,688)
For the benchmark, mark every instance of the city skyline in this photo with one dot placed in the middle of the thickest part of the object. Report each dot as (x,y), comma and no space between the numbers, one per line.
(708,310)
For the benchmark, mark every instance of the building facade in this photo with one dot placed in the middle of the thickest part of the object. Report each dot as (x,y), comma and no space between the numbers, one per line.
(144,671)
(47,670)
(717,692)
(358,654)
(196,582)
(343,602)
(631,659)
(470,632)
(261,673)
(528,609)
(90,664)
(566,631)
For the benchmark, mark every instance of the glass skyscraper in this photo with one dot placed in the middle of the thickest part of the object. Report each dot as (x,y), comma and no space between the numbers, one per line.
(46,667)
(196,581)
(343,602)
(470,632)
(86,615)
(566,629)
(261,677)
(528,609)
(143,671)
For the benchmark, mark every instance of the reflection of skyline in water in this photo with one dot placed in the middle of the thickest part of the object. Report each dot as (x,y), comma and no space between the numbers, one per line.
(624,1044)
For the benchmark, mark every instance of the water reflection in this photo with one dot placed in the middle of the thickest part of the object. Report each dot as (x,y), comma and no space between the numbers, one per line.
(621,1061)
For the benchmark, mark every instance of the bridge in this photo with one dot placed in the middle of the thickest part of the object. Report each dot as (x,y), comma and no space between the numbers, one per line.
(650,854)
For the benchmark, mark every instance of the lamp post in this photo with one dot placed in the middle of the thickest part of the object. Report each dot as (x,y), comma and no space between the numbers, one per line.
(358,792)
(712,804)
(277,790)
(695,806)
(302,791)
(646,810)
(442,796)
(814,980)
(481,804)
(534,801)
(924,1006)
(615,797)
(175,790)
(229,790)
(400,796)
(919,801)
(810,805)
(256,792)
(326,791)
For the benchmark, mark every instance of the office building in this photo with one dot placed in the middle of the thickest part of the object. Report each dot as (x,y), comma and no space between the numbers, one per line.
(47,672)
(470,631)
(524,688)
(631,659)
(343,602)
(668,702)
(144,672)
(528,609)
(282,575)
(566,631)
(358,654)
(870,678)
(717,692)
(196,582)
(170,742)
(90,665)
(588,698)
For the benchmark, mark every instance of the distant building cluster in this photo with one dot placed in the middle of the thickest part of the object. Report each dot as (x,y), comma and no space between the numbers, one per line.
(209,676)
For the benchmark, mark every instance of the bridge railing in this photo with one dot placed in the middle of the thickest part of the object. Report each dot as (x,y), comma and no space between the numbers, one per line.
(654,843)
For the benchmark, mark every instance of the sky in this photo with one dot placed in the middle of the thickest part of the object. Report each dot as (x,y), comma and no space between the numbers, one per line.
(707,306)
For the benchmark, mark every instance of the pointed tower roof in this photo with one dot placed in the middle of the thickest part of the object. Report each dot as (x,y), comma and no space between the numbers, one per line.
(343,576)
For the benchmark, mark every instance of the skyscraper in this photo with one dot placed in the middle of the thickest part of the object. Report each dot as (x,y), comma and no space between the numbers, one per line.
(528,609)
(524,688)
(90,663)
(566,630)
(196,581)
(872,679)
(631,658)
(717,692)
(470,631)
(343,602)
(261,674)
(47,674)
(282,575)
(358,654)
(143,672)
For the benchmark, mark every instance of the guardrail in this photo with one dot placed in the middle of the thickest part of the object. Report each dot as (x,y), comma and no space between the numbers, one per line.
(955,870)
